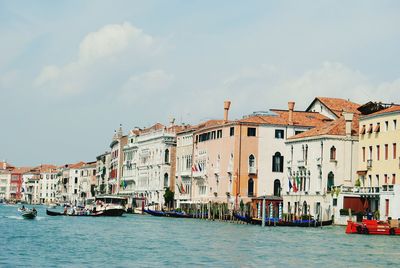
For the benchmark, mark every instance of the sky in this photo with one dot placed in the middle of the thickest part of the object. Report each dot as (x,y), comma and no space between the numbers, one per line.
(72,71)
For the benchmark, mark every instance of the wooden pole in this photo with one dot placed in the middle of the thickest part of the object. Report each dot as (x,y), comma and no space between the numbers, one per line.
(263,213)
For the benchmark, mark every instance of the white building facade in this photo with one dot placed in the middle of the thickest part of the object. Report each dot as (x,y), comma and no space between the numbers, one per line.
(320,163)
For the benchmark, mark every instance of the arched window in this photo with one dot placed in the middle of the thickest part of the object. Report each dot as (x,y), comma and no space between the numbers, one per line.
(277,162)
(166,156)
(331,181)
(166,180)
(250,187)
(333,153)
(252,162)
(305,208)
(277,187)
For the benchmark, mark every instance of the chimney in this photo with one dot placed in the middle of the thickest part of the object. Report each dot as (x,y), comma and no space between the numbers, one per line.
(348,117)
(291,109)
(227,105)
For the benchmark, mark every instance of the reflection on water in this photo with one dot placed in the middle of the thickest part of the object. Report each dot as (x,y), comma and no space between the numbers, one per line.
(146,241)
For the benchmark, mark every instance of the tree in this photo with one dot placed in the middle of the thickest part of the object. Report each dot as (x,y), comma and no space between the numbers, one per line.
(169,197)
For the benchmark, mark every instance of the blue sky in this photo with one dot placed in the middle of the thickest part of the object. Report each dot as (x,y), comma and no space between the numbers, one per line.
(72,71)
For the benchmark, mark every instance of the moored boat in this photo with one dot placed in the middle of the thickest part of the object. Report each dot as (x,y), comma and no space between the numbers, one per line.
(281,223)
(373,227)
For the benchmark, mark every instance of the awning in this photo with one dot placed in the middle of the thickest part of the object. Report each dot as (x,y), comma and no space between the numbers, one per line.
(362,172)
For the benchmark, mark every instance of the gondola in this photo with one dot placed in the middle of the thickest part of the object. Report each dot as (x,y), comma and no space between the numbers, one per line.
(172,214)
(156,213)
(245,219)
(55,213)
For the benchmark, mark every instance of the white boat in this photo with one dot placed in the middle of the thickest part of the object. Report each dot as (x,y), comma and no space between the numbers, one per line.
(28,213)
(110,205)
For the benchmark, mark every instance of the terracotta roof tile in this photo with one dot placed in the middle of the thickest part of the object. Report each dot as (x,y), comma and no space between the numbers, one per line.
(300,118)
(337,105)
(393,108)
(335,128)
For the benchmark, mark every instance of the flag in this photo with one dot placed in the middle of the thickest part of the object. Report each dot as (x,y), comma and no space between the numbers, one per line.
(194,168)
(290,184)
(294,186)
(182,189)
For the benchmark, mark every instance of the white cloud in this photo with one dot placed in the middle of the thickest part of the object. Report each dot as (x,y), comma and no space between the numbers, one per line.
(112,39)
(102,56)
(264,87)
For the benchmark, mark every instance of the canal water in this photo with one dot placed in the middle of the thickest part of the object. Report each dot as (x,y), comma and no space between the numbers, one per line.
(146,241)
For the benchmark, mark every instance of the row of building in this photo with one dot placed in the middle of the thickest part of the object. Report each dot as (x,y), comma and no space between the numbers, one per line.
(334,156)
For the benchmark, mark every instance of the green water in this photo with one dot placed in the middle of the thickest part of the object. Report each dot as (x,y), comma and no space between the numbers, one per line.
(146,241)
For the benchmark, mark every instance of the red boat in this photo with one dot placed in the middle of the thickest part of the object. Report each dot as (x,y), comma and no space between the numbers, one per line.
(374,227)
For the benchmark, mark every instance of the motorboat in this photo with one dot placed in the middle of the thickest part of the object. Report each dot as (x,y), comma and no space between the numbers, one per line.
(373,227)
(28,213)
(110,205)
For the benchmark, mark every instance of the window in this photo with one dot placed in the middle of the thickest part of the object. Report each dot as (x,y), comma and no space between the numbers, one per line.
(277,187)
(333,153)
(231,131)
(76,179)
(362,131)
(213,135)
(386,178)
(386,125)
(334,203)
(75,191)
(378,156)
(298,132)
(250,187)
(386,151)
(377,180)
(394,150)
(377,128)
(251,131)
(370,153)
(369,128)
(252,163)
(363,154)
(166,180)
(393,178)
(166,156)
(279,133)
(219,133)
(277,162)
(331,181)
(394,124)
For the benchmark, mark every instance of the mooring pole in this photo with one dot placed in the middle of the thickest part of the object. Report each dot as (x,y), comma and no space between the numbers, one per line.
(263,213)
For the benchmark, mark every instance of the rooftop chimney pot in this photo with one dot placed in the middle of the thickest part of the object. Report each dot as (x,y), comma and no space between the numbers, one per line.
(291,109)
(227,105)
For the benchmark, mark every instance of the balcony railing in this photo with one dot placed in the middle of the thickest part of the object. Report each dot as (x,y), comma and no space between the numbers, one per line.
(252,170)
(301,163)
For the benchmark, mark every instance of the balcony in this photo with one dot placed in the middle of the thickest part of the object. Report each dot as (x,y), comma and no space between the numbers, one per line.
(252,170)
(369,163)
(301,163)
